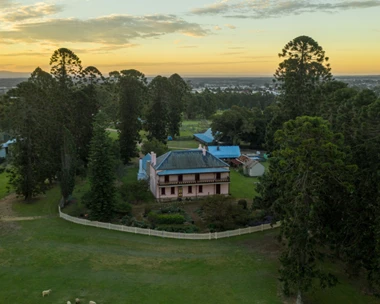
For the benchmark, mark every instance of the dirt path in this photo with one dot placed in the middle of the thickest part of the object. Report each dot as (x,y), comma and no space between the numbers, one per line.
(6,206)
(7,214)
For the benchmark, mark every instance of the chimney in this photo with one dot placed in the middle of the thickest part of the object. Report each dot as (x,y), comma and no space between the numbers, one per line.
(153,158)
(200,147)
(204,151)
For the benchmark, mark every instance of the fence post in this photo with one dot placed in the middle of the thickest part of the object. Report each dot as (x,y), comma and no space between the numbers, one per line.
(216,235)
(262,227)
(209,235)
(239,231)
(135,230)
(149,231)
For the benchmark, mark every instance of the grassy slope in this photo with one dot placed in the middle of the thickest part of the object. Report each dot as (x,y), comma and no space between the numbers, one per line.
(3,185)
(242,186)
(115,267)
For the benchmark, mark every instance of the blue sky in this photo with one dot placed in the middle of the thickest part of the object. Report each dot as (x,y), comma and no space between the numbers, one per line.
(192,38)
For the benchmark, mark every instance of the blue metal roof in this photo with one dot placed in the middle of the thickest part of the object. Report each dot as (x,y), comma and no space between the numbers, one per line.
(192,171)
(225,151)
(205,137)
(145,159)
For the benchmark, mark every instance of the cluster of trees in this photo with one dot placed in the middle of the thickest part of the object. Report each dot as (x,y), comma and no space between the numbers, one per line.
(324,177)
(206,104)
(59,120)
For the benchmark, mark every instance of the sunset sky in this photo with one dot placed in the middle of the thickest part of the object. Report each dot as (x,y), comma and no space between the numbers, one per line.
(189,37)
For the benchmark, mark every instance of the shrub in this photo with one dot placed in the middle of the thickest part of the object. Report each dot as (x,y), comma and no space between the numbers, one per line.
(123,207)
(220,214)
(136,192)
(243,203)
(167,219)
(130,221)
(147,210)
(154,145)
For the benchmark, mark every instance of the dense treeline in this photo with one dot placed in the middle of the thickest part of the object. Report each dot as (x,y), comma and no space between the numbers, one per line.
(324,177)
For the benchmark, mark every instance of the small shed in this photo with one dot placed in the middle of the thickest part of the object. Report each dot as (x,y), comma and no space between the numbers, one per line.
(253,168)
(225,152)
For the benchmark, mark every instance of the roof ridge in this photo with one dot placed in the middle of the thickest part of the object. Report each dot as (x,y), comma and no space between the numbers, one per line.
(159,165)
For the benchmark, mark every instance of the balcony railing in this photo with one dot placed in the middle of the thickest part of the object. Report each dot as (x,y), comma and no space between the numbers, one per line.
(191,182)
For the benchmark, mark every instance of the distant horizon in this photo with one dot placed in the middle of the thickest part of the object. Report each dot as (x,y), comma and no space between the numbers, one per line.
(27,75)
(199,38)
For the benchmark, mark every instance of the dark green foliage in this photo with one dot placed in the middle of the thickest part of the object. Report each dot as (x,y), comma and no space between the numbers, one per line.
(68,168)
(157,117)
(179,90)
(123,207)
(136,192)
(132,95)
(102,176)
(301,73)
(166,219)
(243,203)
(155,146)
(66,66)
(27,112)
(299,77)
(221,214)
(312,179)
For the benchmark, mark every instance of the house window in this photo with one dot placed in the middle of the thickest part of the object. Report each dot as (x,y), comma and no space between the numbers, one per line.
(180,178)
(172,190)
(162,191)
(197,177)
(166,178)
(190,189)
(200,189)
(217,175)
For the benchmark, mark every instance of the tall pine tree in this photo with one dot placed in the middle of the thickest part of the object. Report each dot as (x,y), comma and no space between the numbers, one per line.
(102,176)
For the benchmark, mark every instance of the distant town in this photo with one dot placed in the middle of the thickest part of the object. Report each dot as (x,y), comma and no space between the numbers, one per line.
(248,85)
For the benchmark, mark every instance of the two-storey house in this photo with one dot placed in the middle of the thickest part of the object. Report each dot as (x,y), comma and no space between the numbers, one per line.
(188,174)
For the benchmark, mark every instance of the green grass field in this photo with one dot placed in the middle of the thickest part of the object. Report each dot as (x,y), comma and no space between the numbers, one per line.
(182,144)
(3,185)
(242,186)
(114,267)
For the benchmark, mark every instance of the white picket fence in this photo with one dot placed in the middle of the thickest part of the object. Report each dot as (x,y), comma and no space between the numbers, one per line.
(166,234)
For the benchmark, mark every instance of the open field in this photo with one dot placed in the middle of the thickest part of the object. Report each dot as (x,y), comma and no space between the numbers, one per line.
(115,267)
(182,144)
(190,127)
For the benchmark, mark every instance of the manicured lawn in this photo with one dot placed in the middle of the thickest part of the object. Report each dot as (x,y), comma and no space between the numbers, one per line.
(242,186)
(182,144)
(190,127)
(115,267)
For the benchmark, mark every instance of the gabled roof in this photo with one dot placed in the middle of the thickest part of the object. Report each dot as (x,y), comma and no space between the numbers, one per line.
(205,137)
(225,151)
(250,164)
(145,159)
(244,158)
(188,159)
